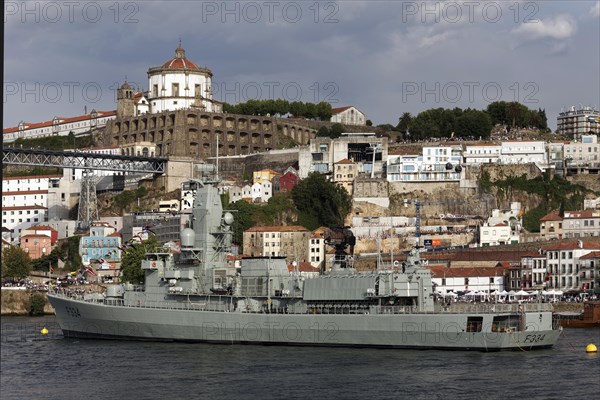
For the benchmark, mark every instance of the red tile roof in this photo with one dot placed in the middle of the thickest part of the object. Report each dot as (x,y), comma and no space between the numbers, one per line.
(593,254)
(580,214)
(34,207)
(585,244)
(14,178)
(553,216)
(339,109)
(24,192)
(35,236)
(445,272)
(292,228)
(43,228)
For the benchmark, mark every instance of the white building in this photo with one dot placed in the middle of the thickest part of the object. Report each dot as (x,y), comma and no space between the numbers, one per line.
(564,265)
(584,151)
(523,152)
(348,115)
(25,201)
(367,151)
(473,279)
(262,191)
(179,83)
(578,121)
(316,247)
(495,235)
(435,164)
(503,227)
(59,126)
(482,154)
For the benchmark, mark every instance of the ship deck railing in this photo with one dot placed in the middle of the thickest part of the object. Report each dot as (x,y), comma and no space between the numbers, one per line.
(218,305)
(458,308)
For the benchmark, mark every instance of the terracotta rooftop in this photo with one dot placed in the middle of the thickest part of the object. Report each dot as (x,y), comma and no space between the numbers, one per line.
(445,272)
(340,109)
(291,228)
(585,244)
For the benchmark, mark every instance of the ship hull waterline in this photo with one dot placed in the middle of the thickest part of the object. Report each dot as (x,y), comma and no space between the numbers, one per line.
(81,319)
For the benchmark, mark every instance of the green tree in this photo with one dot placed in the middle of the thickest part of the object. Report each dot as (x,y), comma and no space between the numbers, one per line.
(320,202)
(324,111)
(243,214)
(297,109)
(323,132)
(15,263)
(310,110)
(336,131)
(131,263)
(404,122)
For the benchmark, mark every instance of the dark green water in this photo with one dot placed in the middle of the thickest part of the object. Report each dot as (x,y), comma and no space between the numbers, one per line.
(34,366)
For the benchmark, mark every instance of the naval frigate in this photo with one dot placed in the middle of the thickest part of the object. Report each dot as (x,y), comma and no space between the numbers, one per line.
(197,295)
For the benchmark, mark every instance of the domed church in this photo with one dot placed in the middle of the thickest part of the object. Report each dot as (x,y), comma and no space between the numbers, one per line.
(177,84)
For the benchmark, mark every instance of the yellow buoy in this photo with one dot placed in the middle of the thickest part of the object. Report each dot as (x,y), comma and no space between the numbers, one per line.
(44,331)
(591,348)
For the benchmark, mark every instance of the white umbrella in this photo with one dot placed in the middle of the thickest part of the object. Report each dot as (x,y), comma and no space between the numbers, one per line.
(521,293)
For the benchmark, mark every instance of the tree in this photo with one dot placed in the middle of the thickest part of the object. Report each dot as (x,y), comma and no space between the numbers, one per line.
(323,132)
(15,263)
(243,219)
(320,202)
(369,122)
(297,109)
(310,110)
(131,263)
(336,131)
(324,111)
(404,122)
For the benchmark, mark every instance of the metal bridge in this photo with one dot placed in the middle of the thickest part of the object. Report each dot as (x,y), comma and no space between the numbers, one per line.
(83,160)
(88,162)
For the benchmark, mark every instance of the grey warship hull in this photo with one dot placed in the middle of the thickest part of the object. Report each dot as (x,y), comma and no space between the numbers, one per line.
(85,319)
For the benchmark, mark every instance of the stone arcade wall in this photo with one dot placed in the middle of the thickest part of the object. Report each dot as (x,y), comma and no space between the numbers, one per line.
(193,133)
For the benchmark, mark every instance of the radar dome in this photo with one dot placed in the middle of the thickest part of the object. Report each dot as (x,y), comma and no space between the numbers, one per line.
(228,218)
(188,236)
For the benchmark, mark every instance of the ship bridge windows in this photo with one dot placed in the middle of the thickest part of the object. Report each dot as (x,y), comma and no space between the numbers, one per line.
(504,323)
(474,324)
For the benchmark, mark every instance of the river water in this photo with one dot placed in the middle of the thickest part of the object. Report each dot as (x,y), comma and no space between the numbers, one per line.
(35,366)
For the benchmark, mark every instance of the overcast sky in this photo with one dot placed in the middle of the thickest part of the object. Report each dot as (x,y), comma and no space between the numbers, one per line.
(384,57)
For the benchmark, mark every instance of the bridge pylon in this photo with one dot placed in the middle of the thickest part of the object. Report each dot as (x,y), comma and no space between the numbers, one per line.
(87,211)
